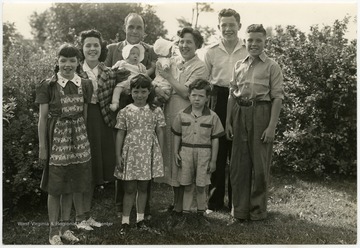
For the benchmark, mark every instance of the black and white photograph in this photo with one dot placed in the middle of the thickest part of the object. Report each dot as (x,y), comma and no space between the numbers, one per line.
(181,123)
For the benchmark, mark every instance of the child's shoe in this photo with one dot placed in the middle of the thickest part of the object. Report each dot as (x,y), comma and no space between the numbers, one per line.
(125,228)
(202,221)
(93,222)
(84,225)
(148,217)
(69,236)
(55,240)
(142,226)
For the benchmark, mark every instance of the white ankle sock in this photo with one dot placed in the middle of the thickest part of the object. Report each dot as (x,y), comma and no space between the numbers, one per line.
(125,220)
(139,217)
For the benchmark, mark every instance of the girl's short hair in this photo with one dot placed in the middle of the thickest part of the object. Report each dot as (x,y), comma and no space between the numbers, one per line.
(144,81)
(68,50)
(199,40)
(93,33)
(201,84)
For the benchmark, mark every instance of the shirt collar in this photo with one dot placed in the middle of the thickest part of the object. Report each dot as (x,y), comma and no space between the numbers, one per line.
(206,110)
(132,106)
(189,61)
(239,45)
(262,57)
(63,81)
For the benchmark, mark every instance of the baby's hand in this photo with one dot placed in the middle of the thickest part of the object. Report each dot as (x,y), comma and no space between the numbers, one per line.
(116,65)
(114,106)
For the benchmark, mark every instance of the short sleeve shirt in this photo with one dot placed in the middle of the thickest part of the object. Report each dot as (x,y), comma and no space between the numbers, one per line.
(220,63)
(197,131)
(259,79)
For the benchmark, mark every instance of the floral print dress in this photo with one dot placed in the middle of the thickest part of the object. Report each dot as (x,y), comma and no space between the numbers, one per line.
(141,151)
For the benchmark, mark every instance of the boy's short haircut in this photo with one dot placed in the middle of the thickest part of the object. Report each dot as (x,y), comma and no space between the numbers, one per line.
(256,28)
(229,13)
(200,84)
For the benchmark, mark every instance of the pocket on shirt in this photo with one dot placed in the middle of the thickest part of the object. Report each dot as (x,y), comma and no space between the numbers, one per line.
(205,129)
(185,127)
(262,78)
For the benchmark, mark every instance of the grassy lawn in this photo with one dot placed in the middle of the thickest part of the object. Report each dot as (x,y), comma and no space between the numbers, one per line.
(302,210)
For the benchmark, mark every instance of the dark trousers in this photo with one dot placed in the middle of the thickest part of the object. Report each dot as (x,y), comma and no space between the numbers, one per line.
(218,103)
(250,162)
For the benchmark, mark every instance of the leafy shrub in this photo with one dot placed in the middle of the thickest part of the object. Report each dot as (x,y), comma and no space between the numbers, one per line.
(317,127)
(316,130)
(23,66)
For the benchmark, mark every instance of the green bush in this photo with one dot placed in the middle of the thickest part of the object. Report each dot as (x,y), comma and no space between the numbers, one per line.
(316,131)
(23,66)
(317,128)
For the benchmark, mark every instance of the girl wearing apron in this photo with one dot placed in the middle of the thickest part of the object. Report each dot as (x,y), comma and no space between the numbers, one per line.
(64,149)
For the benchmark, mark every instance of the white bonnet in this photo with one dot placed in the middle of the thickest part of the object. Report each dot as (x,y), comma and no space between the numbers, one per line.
(128,47)
(162,46)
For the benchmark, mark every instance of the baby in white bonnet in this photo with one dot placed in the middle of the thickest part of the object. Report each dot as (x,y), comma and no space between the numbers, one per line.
(133,55)
(163,49)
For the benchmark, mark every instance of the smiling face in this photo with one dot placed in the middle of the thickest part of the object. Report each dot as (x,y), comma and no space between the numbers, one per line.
(229,28)
(92,49)
(255,43)
(134,56)
(140,96)
(134,29)
(187,46)
(67,66)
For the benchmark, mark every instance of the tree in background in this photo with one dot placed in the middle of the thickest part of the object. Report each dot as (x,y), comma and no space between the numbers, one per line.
(317,127)
(10,36)
(62,20)
(316,130)
(206,31)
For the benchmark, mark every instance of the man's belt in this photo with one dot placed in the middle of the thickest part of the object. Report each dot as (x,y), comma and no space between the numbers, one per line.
(250,103)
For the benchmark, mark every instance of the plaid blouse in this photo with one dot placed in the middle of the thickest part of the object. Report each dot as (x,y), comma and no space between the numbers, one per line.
(106,85)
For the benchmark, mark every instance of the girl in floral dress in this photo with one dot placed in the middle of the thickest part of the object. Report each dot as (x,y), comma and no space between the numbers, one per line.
(64,148)
(139,145)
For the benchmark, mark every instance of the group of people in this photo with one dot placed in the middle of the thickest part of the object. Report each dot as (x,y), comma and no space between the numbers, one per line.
(134,113)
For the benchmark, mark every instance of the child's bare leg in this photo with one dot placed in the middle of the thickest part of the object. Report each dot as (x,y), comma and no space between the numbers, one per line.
(116,98)
(141,199)
(178,198)
(130,188)
(66,203)
(53,203)
(82,204)
(188,197)
(79,204)
(201,198)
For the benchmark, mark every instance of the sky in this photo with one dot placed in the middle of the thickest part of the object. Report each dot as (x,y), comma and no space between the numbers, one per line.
(302,14)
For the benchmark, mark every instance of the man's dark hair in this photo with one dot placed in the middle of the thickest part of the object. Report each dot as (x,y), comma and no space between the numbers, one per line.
(229,13)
